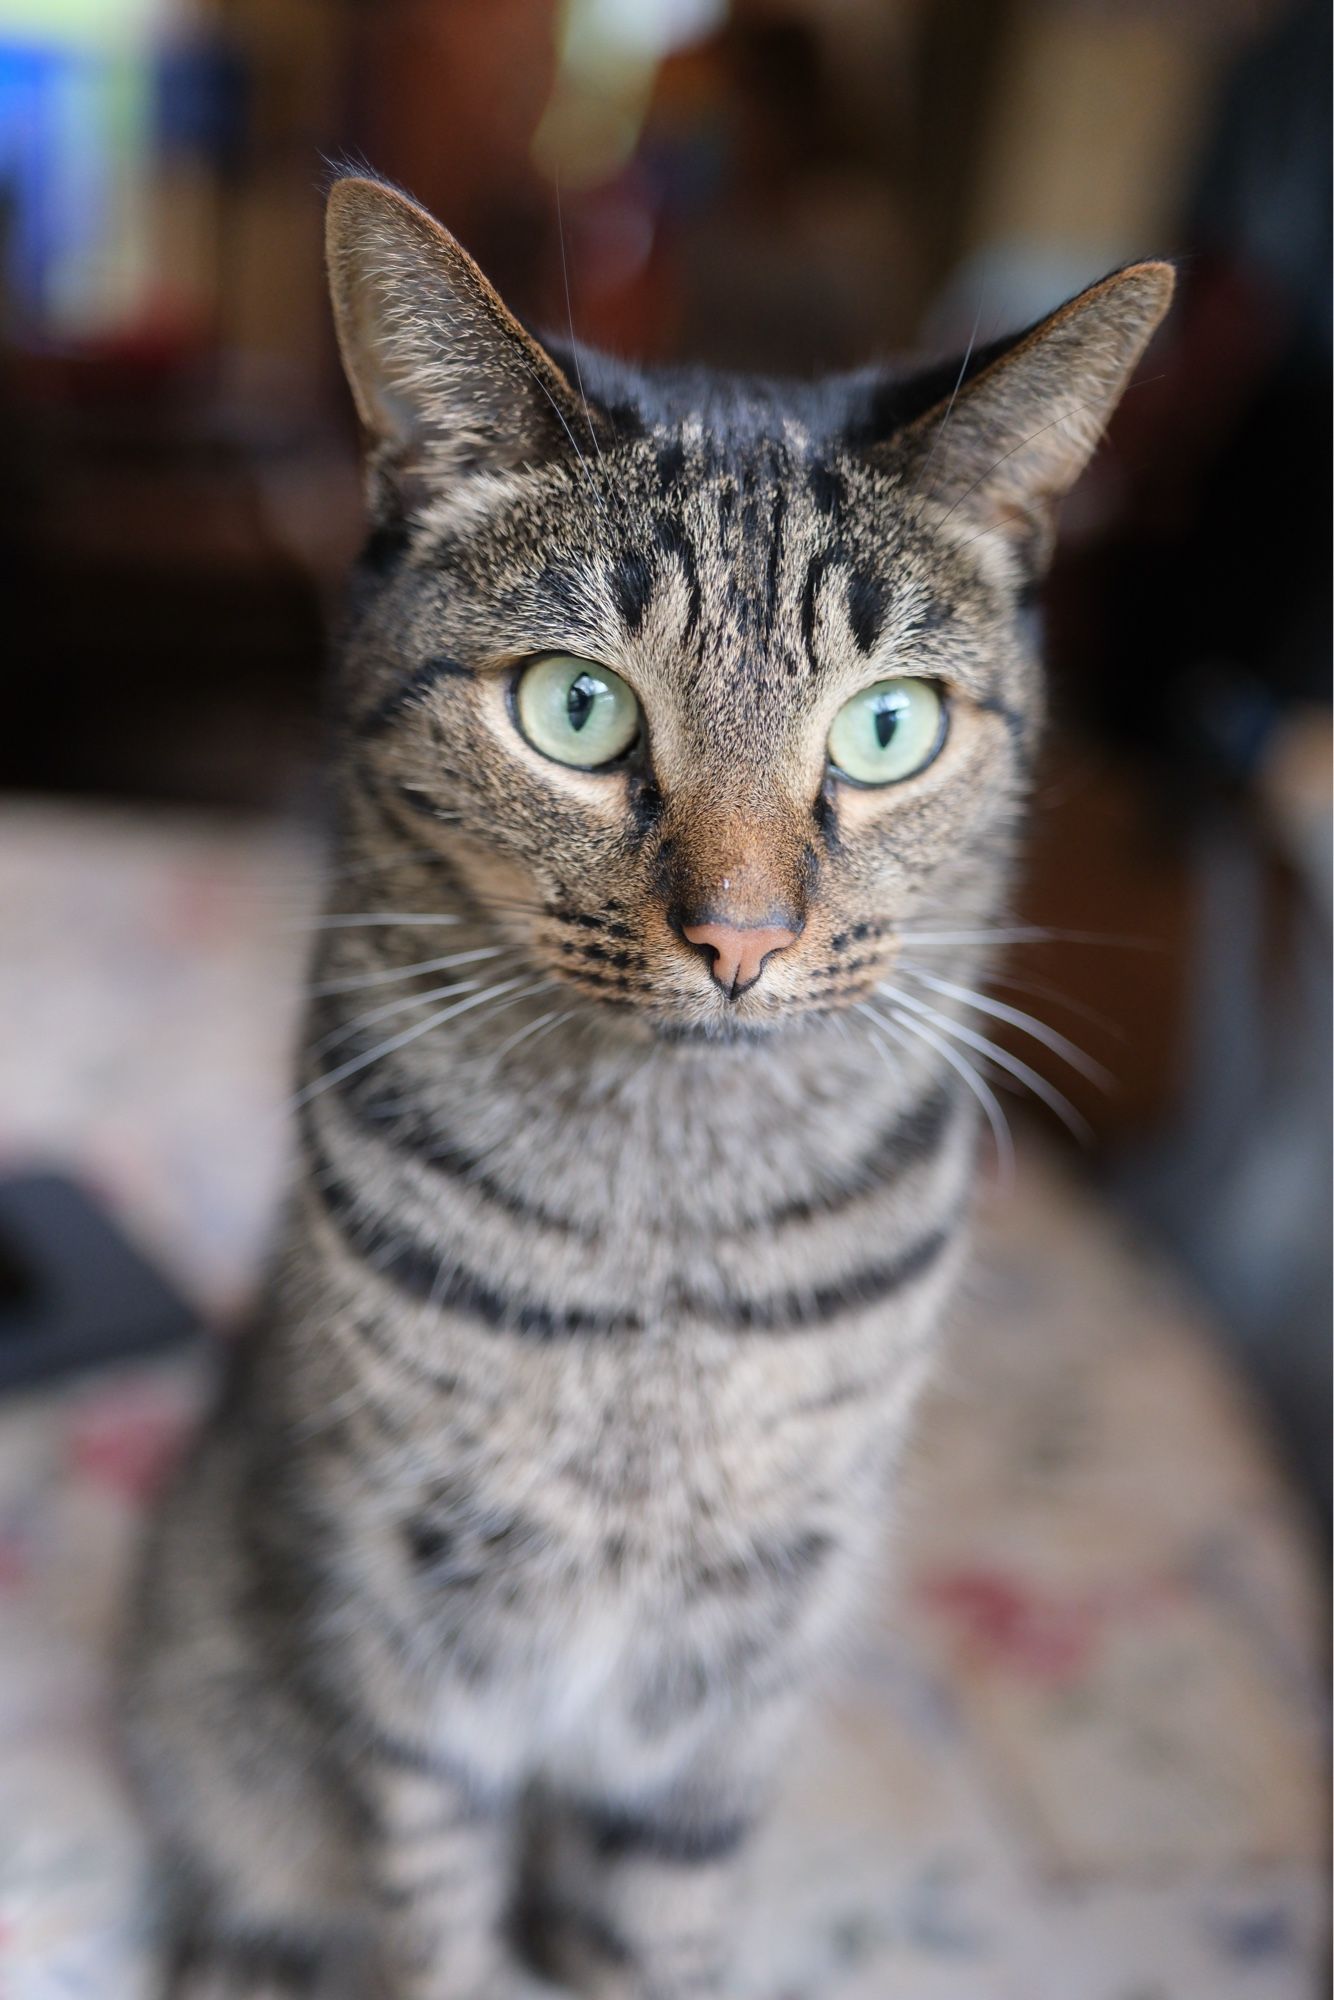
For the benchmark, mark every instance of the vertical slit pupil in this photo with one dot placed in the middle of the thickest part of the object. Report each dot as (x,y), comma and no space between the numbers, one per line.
(579,701)
(886,722)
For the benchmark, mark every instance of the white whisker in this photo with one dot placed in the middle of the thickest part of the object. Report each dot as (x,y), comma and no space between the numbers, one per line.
(1028,1024)
(526,993)
(347,1029)
(977,1084)
(1006,934)
(1021,934)
(944,423)
(366,919)
(389,975)
(547,1020)
(878,1026)
(1043,989)
(569,314)
(1070,412)
(589,480)
(1023,1072)
(399,1041)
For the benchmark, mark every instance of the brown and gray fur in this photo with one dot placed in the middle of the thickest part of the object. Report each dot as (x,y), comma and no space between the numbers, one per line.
(476,1626)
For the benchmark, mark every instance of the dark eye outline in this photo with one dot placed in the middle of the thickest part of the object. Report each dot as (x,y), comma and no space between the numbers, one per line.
(633,750)
(942,695)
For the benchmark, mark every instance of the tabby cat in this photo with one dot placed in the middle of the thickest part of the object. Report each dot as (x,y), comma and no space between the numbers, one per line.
(683,728)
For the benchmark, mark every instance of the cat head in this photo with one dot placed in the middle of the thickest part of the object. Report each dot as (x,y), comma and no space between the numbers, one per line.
(705,689)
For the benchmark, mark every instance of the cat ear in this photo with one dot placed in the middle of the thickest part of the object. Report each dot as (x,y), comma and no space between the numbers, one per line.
(1016,436)
(446,382)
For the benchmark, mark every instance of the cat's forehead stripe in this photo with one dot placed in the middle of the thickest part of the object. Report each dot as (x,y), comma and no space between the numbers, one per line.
(866,608)
(721,547)
(630,578)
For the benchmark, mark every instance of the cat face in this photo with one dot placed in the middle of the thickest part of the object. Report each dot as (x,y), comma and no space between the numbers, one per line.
(706,691)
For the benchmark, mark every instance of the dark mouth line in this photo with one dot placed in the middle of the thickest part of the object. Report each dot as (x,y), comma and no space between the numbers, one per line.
(651,1003)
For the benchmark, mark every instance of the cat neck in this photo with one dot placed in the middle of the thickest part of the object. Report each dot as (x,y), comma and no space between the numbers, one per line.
(591,1115)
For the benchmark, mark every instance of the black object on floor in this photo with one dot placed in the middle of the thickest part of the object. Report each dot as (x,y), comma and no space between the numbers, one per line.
(74,1293)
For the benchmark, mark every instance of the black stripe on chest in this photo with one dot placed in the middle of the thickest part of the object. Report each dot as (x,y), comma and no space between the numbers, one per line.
(445,1282)
(907,1144)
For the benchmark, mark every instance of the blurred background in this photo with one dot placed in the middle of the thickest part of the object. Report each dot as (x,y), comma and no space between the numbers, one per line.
(1082,1751)
(793,184)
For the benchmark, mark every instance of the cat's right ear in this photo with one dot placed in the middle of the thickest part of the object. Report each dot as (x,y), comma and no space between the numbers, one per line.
(1015,433)
(446,382)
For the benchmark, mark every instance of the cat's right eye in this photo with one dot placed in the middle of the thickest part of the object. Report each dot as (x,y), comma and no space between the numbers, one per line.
(889,731)
(575,711)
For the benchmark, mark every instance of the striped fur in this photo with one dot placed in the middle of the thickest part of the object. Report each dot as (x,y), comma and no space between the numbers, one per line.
(476,1625)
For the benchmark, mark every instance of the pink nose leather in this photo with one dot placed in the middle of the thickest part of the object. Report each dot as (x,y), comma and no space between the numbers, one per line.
(739,950)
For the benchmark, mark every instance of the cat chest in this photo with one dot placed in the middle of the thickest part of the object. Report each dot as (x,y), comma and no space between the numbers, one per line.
(694,1484)
(639,1533)
(604,1449)
(649,1610)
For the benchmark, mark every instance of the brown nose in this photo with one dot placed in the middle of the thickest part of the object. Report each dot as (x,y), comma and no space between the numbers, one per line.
(739,950)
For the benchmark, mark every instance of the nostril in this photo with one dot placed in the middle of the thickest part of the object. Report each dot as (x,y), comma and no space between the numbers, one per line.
(739,951)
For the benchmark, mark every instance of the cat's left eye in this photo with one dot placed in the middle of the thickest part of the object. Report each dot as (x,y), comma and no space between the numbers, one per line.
(889,732)
(576,712)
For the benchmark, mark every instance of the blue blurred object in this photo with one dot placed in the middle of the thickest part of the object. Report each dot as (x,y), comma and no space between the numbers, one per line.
(53,169)
(202,101)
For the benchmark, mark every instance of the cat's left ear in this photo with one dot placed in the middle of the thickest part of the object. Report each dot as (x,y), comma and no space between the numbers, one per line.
(446,382)
(1018,434)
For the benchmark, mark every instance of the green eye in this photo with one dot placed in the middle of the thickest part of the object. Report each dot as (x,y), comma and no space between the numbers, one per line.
(576,712)
(888,732)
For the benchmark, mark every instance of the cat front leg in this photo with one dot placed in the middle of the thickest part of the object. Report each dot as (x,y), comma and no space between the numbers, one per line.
(438,1856)
(637,1893)
(651,1909)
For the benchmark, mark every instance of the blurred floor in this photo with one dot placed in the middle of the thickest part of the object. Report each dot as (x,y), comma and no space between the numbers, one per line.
(1074,1754)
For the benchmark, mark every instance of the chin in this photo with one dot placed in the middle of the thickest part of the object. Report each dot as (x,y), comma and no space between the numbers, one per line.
(701,1033)
(739,1026)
